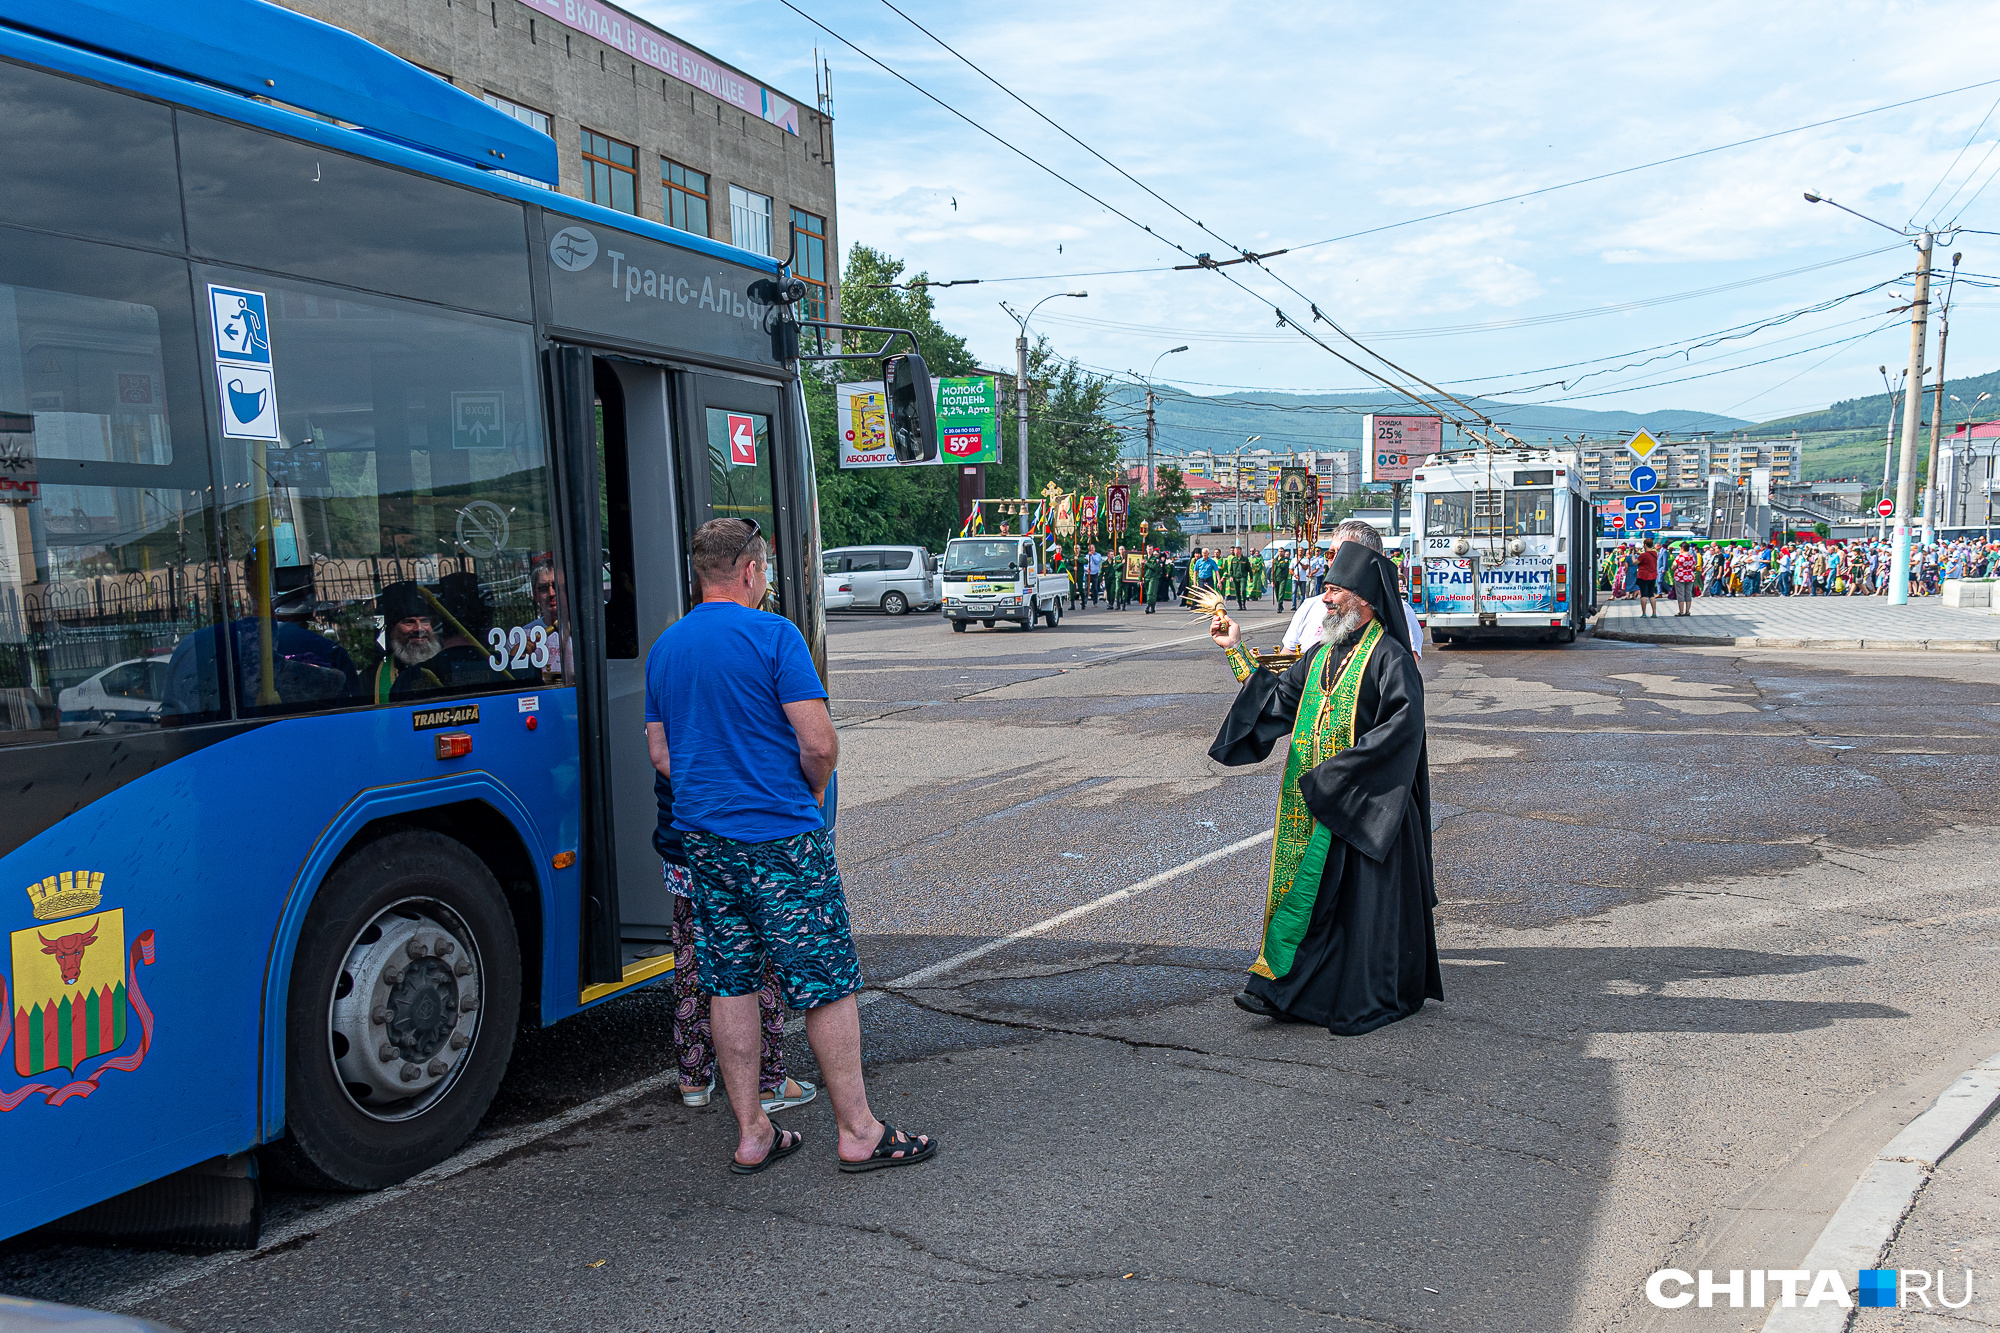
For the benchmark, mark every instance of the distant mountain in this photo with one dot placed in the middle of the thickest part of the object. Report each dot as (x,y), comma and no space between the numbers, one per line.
(1872,413)
(1319,421)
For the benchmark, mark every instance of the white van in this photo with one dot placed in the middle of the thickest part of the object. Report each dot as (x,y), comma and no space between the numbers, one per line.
(894,578)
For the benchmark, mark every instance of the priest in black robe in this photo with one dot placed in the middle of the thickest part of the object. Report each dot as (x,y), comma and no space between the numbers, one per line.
(1349,941)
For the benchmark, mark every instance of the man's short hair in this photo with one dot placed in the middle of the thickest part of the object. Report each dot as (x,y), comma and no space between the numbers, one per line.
(1358,530)
(718,545)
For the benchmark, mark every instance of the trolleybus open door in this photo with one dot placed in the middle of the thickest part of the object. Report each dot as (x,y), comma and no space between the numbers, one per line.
(650,453)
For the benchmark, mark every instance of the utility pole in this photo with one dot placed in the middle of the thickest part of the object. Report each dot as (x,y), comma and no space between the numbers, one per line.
(1021,416)
(1021,389)
(1906,474)
(1149,439)
(1937,409)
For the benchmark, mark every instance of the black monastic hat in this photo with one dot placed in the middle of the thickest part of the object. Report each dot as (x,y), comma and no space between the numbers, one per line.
(1372,576)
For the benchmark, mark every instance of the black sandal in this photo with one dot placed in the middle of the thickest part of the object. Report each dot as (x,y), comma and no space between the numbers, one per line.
(784,1142)
(894,1150)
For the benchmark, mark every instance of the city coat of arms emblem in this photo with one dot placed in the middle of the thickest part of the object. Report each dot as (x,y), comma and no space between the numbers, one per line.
(75,994)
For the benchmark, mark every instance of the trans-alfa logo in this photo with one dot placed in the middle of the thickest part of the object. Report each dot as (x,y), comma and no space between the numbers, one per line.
(573,249)
(1789,1288)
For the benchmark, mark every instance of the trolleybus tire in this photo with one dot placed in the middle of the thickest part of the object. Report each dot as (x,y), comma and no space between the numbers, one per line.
(410,947)
(895,604)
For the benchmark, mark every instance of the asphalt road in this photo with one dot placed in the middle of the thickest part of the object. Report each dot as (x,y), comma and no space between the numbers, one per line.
(1715,922)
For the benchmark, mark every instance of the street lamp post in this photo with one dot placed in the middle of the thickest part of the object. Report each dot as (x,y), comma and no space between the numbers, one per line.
(1236,513)
(1962,474)
(1149,411)
(1888,442)
(1021,389)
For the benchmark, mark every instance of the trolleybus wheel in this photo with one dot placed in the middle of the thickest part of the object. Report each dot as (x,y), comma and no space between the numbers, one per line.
(895,604)
(405,991)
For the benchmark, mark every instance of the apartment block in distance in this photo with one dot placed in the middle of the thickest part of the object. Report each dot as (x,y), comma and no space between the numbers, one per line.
(1688,466)
(644,123)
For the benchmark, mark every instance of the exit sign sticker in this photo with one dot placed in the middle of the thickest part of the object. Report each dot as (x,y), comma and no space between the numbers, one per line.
(742,440)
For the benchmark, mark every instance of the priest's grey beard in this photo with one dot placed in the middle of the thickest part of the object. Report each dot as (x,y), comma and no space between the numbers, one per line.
(413,651)
(1342,632)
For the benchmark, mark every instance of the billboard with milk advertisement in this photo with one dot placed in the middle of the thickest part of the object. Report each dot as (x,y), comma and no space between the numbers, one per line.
(968,422)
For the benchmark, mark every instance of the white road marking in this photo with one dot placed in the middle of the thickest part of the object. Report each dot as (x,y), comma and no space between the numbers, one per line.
(924,974)
(479,1154)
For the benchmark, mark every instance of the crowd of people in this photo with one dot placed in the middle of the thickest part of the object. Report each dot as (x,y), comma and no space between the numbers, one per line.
(1802,568)
(1149,575)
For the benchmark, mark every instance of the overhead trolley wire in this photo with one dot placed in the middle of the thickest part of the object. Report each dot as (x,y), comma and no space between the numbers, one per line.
(1646,166)
(1120,213)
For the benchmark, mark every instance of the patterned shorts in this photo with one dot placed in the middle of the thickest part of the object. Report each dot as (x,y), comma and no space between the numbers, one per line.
(778,900)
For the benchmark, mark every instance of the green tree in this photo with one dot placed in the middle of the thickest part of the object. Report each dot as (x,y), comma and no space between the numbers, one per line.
(1071,438)
(1170,499)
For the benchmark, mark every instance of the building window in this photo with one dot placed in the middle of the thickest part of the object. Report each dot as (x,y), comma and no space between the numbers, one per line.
(527,116)
(809,242)
(610,173)
(750,220)
(686,197)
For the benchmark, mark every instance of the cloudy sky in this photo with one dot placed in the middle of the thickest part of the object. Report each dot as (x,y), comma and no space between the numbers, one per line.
(1282,127)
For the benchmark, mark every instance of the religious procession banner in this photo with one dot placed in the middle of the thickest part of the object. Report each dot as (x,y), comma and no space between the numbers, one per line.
(968,421)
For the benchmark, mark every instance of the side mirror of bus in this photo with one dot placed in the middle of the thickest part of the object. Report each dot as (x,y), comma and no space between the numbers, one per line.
(911,408)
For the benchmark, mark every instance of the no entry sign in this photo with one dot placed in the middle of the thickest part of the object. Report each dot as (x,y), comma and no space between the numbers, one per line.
(1885,506)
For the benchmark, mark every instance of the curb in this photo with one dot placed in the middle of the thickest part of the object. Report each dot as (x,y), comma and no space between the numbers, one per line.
(1598,630)
(1862,1228)
(1824,645)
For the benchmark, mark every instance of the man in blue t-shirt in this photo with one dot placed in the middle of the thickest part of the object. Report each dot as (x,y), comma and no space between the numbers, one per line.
(737,717)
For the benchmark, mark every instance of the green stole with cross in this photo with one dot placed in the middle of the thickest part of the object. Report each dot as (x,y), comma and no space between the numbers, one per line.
(1324,728)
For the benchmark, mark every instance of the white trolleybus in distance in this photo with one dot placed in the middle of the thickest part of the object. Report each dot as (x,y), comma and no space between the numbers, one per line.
(1505,546)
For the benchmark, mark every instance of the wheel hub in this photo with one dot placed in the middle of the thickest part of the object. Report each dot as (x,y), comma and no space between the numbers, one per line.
(405,1010)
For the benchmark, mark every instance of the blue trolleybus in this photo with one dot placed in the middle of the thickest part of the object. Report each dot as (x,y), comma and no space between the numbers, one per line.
(1505,546)
(345,476)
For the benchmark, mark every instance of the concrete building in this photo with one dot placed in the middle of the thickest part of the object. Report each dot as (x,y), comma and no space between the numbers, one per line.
(1689,465)
(1339,470)
(644,123)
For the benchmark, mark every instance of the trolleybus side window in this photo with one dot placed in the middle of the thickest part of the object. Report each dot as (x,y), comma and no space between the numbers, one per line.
(127,192)
(385,547)
(268,202)
(105,552)
(739,458)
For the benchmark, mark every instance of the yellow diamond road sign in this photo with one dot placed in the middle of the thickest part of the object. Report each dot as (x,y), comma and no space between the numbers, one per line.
(1642,444)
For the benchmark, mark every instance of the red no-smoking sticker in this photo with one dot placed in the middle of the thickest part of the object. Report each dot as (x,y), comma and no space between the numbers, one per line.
(742,440)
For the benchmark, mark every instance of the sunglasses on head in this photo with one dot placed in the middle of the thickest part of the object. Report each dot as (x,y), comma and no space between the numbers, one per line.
(756,531)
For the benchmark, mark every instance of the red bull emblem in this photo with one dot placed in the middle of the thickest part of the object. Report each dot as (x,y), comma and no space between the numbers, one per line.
(69,951)
(75,992)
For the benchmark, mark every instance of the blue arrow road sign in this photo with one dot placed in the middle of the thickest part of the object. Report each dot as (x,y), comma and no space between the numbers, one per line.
(1642,512)
(1643,479)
